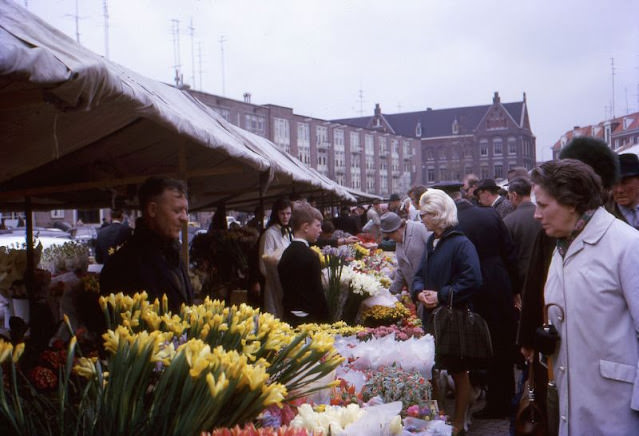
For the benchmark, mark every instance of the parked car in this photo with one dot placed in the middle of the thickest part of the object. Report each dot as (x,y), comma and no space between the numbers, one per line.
(46,236)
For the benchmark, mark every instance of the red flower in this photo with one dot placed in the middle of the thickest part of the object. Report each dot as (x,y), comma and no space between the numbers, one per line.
(43,378)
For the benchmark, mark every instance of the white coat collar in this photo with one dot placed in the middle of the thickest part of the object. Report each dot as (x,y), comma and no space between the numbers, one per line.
(593,232)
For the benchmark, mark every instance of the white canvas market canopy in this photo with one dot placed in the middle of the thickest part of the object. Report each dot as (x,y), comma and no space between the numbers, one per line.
(78,131)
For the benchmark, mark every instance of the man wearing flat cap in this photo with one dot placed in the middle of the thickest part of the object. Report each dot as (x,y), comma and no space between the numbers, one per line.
(626,192)
(410,238)
(487,193)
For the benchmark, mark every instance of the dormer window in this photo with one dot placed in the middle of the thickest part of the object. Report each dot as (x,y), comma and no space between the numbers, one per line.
(455,127)
(378,122)
(418,129)
(627,122)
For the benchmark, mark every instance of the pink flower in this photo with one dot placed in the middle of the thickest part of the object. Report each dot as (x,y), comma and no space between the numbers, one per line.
(413,410)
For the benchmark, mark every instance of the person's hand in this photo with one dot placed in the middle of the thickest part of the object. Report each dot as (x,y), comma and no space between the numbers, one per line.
(517,301)
(528,353)
(428,298)
(352,240)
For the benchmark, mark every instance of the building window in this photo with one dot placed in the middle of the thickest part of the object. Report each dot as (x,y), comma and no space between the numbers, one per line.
(484,173)
(512,145)
(370,165)
(483,148)
(395,147)
(339,159)
(497,146)
(370,183)
(354,160)
(430,175)
(303,135)
(254,123)
(407,149)
(468,170)
(418,130)
(321,135)
(282,132)
(338,138)
(499,172)
(57,213)
(382,146)
(225,113)
(354,142)
(443,174)
(369,144)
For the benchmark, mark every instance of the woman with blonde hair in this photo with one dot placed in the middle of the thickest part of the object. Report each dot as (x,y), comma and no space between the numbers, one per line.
(450,266)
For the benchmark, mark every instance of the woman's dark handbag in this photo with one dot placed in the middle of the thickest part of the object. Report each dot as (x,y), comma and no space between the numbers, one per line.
(530,419)
(552,395)
(461,335)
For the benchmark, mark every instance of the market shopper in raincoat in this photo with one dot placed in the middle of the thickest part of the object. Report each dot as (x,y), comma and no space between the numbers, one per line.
(592,294)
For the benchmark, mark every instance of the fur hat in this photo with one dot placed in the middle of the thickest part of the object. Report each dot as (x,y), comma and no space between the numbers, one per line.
(597,154)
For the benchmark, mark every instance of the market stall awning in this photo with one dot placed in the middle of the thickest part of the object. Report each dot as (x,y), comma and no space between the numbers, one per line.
(80,131)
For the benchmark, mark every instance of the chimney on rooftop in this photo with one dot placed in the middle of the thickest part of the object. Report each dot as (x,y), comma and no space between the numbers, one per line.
(496,98)
(247,97)
(378,110)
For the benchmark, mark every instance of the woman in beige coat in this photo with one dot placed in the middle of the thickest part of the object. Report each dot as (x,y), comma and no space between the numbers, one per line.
(592,294)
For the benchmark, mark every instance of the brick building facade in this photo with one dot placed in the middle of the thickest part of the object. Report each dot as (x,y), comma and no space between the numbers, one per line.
(485,140)
(370,160)
(619,133)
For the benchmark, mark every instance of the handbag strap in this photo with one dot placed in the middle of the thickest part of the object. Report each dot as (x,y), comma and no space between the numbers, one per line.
(450,299)
(551,374)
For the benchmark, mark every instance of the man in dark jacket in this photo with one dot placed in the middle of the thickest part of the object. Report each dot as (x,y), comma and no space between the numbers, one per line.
(150,261)
(300,271)
(521,223)
(346,222)
(626,192)
(487,193)
(111,237)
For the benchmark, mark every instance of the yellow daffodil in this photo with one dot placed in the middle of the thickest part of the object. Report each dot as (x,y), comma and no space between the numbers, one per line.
(86,367)
(6,350)
(275,394)
(216,386)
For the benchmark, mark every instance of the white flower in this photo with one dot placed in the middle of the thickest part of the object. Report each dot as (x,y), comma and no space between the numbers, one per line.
(361,283)
(334,418)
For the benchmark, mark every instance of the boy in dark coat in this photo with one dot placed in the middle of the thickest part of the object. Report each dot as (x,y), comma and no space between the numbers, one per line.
(300,271)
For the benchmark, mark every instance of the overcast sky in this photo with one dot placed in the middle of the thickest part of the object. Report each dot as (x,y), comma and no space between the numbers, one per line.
(316,56)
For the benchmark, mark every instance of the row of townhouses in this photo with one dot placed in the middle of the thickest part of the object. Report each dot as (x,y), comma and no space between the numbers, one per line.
(619,133)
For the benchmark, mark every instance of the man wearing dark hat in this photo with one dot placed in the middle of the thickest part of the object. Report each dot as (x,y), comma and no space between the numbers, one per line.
(496,299)
(626,192)
(394,203)
(487,193)
(410,245)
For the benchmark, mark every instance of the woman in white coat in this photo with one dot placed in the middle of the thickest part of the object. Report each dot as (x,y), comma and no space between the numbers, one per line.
(273,242)
(410,238)
(592,295)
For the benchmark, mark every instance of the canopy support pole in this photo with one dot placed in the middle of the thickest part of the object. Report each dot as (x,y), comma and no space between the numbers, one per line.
(185,227)
(30,272)
(260,214)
